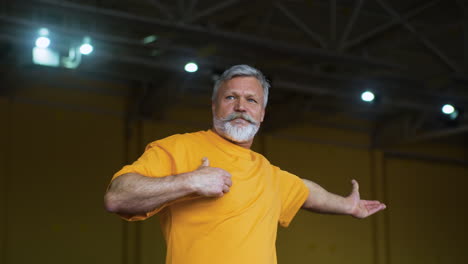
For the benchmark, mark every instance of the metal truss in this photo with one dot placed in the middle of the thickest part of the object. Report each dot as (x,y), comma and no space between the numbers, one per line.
(336,47)
(253,41)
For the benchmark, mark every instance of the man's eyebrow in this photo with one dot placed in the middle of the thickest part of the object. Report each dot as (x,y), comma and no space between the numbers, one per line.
(238,94)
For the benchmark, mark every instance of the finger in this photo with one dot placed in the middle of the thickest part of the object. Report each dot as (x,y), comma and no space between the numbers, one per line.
(367,202)
(375,209)
(225,188)
(376,204)
(227,174)
(228,181)
(355,185)
(382,206)
(370,207)
(205,162)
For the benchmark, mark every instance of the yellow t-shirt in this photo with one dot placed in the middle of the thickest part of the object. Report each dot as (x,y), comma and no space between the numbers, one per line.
(239,227)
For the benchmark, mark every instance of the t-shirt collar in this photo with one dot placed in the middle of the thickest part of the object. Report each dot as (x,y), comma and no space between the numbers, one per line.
(229,147)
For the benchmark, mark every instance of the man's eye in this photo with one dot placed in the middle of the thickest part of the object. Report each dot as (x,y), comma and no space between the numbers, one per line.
(252,100)
(230,97)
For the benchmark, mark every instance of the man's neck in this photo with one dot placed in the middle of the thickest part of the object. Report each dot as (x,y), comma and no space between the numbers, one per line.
(246,144)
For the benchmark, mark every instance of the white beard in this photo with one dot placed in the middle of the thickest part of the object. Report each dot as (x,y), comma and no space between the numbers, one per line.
(235,133)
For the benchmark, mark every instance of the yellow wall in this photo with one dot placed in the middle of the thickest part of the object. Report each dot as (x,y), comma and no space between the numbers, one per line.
(324,238)
(427,221)
(4,146)
(59,159)
(58,150)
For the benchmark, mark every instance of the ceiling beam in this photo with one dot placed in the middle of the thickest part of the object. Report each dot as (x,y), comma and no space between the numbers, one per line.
(162,8)
(426,42)
(408,129)
(301,25)
(350,25)
(211,10)
(254,41)
(386,26)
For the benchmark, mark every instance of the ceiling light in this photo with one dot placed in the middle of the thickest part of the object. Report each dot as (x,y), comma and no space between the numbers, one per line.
(367,96)
(448,109)
(149,39)
(86,48)
(42,42)
(451,112)
(191,67)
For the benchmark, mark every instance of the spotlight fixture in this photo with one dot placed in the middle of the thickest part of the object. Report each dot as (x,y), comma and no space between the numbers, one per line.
(451,111)
(191,67)
(149,39)
(86,48)
(448,109)
(367,96)
(41,53)
(43,40)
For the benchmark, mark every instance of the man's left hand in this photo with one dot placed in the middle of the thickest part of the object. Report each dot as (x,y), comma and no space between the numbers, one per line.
(362,208)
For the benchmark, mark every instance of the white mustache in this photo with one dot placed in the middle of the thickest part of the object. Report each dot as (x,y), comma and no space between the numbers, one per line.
(244,116)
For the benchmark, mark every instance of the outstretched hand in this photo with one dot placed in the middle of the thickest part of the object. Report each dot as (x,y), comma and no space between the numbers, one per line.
(362,208)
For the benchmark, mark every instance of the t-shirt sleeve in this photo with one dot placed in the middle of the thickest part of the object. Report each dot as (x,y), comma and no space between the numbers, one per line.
(294,193)
(156,161)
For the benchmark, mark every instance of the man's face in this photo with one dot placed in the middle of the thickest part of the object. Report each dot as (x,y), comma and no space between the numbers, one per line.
(238,108)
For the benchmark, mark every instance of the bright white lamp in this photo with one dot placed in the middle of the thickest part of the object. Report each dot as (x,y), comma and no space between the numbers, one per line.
(448,109)
(42,42)
(86,48)
(191,67)
(367,96)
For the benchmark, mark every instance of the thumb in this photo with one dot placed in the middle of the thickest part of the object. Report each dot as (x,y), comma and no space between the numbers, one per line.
(355,187)
(205,162)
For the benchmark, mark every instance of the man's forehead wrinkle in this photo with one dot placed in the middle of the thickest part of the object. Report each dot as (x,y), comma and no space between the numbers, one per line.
(252,91)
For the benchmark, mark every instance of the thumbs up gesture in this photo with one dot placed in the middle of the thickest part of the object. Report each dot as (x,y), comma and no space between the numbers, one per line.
(210,181)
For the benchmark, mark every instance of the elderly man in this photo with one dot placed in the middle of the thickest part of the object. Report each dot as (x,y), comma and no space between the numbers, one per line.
(219,201)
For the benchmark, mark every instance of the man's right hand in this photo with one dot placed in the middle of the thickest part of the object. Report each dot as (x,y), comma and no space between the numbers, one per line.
(209,181)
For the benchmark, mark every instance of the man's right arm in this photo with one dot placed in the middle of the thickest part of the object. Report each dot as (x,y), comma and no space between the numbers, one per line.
(133,194)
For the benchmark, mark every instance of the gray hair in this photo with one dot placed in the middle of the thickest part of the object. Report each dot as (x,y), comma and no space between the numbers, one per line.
(242,71)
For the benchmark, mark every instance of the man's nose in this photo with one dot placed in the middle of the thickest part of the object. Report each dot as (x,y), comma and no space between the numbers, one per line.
(240,106)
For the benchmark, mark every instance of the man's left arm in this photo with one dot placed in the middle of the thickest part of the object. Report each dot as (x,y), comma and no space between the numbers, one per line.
(322,201)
